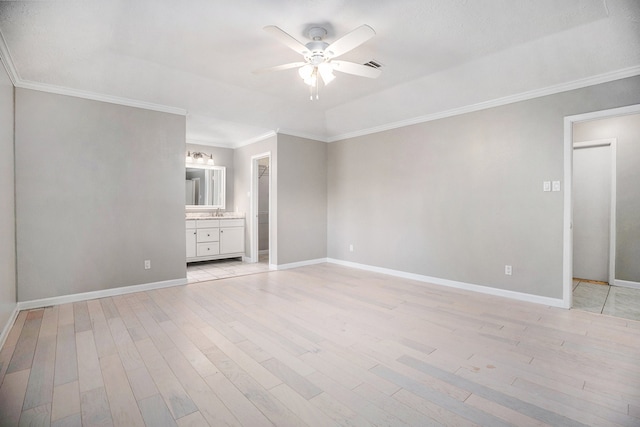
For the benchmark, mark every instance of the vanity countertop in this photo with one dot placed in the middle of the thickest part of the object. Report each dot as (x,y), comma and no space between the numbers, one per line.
(207,215)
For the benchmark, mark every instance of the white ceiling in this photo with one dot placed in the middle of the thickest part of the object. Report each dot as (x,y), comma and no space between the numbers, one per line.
(439,57)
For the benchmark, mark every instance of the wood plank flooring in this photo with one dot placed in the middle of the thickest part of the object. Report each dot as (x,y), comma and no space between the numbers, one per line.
(319,346)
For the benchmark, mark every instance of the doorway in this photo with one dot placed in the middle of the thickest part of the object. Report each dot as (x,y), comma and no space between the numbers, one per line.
(594,207)
(261,208)
(623,124)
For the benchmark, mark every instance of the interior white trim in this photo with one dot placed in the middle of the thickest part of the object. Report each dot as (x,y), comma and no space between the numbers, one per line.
(524,96)
(567,239)
(7,327)
(253,208)
(60,90)
(209,143)
(626,284)
(305,135)
(612,143)
(553,302)
(258,138)
(300,264)
(7,60)
(84,296)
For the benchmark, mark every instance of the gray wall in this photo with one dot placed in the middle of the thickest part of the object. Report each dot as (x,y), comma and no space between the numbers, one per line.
(242,187)
(99,190)
(7,206)
(221,157)
(459,198)
(302,199)
(627,131)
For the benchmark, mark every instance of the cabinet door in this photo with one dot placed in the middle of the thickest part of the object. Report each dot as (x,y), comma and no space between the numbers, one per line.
(191,243)
(231,240)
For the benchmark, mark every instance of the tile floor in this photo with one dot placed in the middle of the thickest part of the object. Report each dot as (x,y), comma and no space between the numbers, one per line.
(610,300)
(225,268)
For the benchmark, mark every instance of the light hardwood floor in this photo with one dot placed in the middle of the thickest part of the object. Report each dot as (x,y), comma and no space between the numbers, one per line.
(320,345)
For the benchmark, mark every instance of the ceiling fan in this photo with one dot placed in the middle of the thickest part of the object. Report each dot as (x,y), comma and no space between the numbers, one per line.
(319,56)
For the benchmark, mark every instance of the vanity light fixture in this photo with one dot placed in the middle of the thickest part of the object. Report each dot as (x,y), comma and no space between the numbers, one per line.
(199,157)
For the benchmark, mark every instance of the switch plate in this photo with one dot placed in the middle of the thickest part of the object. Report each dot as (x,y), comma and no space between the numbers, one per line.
(555,186)
(546,186)
(351,247)
(147,264)
(508,270)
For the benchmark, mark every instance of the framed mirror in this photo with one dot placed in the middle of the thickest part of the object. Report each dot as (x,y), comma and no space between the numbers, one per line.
(205,186)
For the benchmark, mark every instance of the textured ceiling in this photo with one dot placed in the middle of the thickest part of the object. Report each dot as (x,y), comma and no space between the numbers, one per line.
(437,56)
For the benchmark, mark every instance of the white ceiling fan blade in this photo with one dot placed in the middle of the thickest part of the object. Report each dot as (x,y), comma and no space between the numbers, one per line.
(350,41)
(286,39)
(279,67)
(356,69)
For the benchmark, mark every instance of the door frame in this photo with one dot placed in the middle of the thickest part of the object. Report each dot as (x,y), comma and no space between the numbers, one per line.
(567,238)
(254,211)
(612,143)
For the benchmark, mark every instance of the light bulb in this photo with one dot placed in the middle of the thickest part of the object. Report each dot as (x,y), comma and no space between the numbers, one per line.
(189,158)
(210,161)
(305,72)
(311,80)
(326,72)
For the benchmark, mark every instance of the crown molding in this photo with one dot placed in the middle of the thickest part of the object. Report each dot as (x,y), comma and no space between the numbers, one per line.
(7,61)
(60,90)
(303,135)
(523,96)
(209,143)
(255,139)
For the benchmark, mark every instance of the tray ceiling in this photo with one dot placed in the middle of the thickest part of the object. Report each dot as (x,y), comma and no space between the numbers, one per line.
(439,57)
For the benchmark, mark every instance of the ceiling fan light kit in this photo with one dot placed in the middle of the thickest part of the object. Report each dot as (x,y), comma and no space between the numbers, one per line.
(319,56)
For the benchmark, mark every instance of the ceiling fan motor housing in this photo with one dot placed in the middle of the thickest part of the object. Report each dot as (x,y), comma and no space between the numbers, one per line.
(316,54)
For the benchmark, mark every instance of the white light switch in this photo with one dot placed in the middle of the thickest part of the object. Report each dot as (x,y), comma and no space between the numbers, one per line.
(546,186)
(555,186)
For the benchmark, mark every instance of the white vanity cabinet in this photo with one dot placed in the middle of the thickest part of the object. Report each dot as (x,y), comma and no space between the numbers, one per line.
(231,236)
(191,239)
(209,239)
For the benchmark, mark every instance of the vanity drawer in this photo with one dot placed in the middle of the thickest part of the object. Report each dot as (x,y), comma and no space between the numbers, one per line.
(232,223)
(206,249)
(207,223)
(208,235)
(191,223)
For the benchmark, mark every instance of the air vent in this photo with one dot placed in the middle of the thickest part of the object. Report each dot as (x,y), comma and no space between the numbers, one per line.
(373,64)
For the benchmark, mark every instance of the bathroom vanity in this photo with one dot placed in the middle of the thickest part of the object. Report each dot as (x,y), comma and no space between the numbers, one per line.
(211,233)
(210,238)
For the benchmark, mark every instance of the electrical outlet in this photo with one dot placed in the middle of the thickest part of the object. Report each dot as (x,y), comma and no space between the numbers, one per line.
(147,264)
(555,186)
(508,270)
(351,247)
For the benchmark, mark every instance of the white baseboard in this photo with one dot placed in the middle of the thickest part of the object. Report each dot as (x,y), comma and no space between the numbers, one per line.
(84,296)
(297,264)
(626,284)
(7,327)
(553,302)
